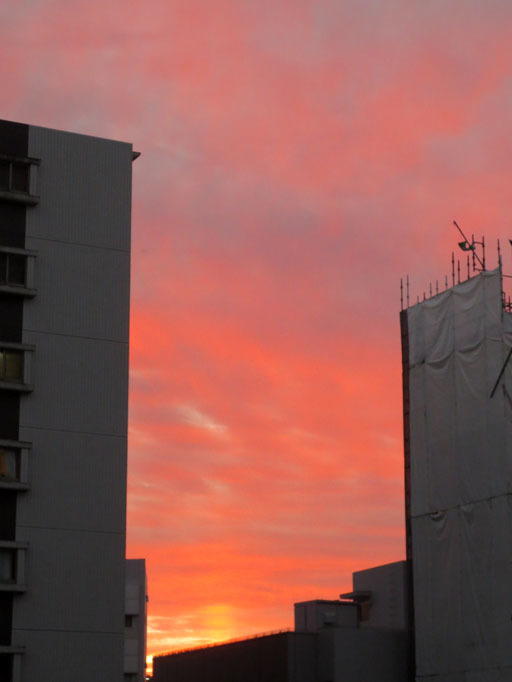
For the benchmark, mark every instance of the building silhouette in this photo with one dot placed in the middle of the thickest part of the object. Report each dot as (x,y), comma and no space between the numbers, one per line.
(361,637)
(65,203)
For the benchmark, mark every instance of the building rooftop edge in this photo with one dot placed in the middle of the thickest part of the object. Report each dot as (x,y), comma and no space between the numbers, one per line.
(234,640)
(68,132)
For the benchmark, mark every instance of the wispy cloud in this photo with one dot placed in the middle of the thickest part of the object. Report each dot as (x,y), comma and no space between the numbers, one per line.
(191,415)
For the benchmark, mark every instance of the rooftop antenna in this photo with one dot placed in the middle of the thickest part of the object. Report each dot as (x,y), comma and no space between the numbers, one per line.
(453,269)
(467,245)
(401,293)
(407,280)
(503,296)
(507,306)
(500,260)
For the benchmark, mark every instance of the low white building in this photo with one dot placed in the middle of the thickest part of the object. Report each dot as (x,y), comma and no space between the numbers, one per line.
(135,621)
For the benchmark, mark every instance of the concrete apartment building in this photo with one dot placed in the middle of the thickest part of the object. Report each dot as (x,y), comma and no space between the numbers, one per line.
(65,204)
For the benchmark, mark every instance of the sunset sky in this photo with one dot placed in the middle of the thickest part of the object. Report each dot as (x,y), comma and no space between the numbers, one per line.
(298,158)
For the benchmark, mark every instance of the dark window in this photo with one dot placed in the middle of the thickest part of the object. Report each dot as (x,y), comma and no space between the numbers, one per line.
(8,501)
(17,269)
(128,621)
(11,365)
(5,171)
(5,667)
(10,411)
(13,268)
(7,566)
(12,224)
(9,464)
(5,619)
(11,318)
(14,176)
(19,177)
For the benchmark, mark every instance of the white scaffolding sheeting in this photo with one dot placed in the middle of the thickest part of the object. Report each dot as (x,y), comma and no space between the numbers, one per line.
(461,483)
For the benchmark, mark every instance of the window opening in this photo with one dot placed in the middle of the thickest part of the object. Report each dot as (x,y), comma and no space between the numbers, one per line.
(6,674)
(11,365)
(4,174)
(14,176)
(7,567)
(9,464)
(13,269)
(19,177)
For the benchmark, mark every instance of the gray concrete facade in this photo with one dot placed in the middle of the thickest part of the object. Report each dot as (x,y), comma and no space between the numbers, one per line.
(311,616)
(68,619)
(388,587)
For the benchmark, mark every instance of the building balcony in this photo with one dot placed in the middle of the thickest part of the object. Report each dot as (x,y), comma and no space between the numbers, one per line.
(14,464)
(17,271)
(18,178)
(16,366)
(12,566)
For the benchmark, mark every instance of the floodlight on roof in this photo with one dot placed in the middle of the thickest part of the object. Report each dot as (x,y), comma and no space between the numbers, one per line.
(466,246)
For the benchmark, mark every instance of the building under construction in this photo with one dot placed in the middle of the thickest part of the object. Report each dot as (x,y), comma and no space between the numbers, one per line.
(458,470)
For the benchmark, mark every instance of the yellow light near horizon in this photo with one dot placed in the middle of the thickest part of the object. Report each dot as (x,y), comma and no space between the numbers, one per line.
(219,621)
(218,624)
(149,666)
